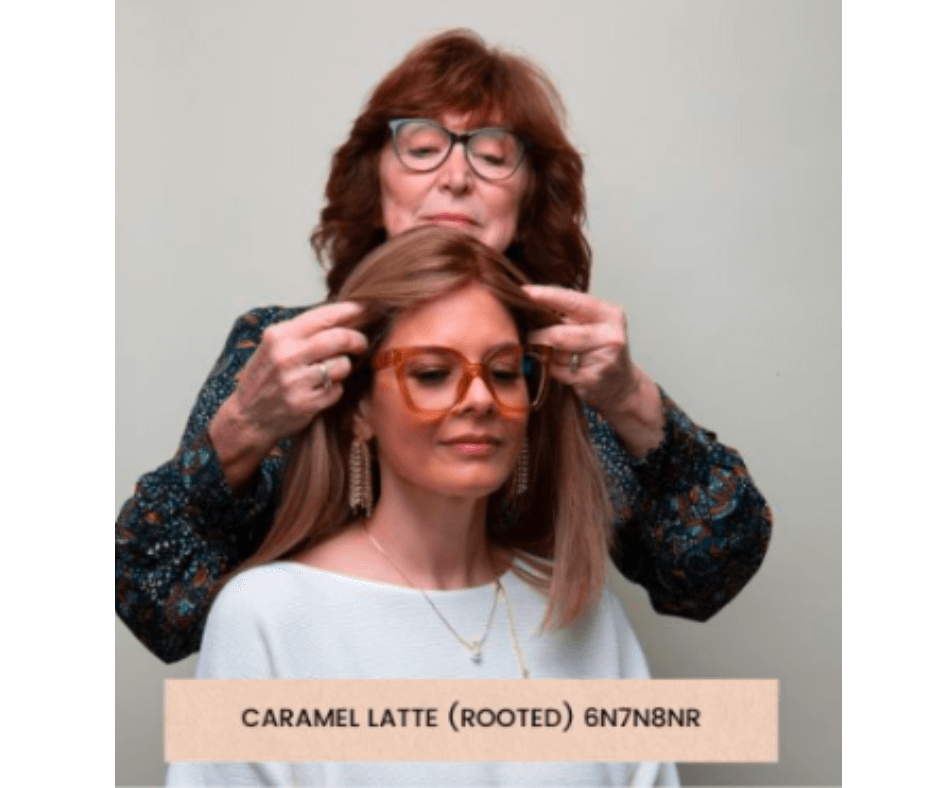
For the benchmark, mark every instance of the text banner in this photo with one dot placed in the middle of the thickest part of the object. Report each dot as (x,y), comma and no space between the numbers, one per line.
(724,720)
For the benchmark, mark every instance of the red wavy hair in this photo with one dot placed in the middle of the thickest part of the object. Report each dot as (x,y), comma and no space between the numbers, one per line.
(456,72)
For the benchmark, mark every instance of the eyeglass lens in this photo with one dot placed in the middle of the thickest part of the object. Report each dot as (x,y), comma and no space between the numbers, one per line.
(492,153)
(435,378)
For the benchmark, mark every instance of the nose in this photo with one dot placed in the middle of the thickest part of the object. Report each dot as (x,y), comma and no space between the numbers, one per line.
(478,396)
(455,172)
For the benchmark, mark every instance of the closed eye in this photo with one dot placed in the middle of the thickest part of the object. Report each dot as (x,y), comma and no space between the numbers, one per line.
(430,376)
(505,376)
(496,161)
(423,153)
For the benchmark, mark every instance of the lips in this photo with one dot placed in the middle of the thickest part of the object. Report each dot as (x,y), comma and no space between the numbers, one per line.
(479,445)
(488,439)
(460,218)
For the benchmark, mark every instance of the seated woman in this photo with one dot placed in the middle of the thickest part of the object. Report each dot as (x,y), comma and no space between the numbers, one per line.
(405,567)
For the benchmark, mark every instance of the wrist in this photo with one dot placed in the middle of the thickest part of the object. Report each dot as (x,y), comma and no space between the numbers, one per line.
(239,446)
(638,417)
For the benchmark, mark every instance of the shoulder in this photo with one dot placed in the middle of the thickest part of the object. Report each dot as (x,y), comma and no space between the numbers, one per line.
(609,605)
(261,602)
(248,621)
(258,590)
(632,659)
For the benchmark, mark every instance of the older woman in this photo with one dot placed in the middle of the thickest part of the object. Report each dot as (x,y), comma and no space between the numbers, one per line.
(462,136)
(425,579)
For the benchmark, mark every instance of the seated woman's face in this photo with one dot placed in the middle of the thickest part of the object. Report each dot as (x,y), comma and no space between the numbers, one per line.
(424,440)
(451,195)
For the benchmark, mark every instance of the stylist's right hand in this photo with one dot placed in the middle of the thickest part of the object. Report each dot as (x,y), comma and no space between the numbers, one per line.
(296,371)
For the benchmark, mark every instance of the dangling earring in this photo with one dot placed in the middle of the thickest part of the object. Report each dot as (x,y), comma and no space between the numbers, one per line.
(360,477)
(521,482)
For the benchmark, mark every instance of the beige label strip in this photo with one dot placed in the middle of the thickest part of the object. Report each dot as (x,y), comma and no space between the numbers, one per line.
(730,720)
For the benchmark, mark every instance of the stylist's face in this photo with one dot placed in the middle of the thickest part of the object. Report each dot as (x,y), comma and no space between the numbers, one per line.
(452,195)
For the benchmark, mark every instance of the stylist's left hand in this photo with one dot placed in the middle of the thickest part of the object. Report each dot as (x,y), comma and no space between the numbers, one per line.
(603,374)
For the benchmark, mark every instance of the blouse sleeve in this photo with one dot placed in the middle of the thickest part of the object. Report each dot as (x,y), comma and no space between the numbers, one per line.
(184,527)
(691,527)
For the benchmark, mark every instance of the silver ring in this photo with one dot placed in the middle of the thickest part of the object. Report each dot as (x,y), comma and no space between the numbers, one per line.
(325,381)
(574,363)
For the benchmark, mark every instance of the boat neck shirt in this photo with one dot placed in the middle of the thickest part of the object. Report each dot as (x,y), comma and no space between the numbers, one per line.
(292,621)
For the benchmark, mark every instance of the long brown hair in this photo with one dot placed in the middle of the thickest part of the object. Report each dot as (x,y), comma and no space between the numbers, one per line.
(456,72)
(564,517)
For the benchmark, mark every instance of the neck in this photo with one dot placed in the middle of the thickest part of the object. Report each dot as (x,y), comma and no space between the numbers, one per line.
(436,542)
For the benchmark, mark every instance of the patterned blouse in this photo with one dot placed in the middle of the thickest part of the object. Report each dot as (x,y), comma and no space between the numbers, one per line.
(691,527)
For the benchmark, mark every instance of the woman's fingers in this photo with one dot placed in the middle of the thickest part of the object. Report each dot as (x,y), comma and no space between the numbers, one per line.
(297,370)
(328,374)
(591,352)
(326,384)
(580,338)
(312,338)
(332,342)
(572,306)
(313,321)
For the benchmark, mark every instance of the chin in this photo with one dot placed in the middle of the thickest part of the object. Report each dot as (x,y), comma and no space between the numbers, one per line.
(474,488)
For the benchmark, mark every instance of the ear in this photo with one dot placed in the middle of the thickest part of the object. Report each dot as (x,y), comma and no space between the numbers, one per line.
(362,420)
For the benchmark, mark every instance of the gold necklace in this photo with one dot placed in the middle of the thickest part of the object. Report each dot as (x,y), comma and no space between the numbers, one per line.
(516,647)
(473,646)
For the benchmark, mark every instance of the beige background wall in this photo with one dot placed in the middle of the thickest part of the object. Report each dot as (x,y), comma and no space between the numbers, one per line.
(711,135)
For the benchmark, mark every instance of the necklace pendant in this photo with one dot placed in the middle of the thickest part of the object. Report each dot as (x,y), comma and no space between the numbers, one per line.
(475,654)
